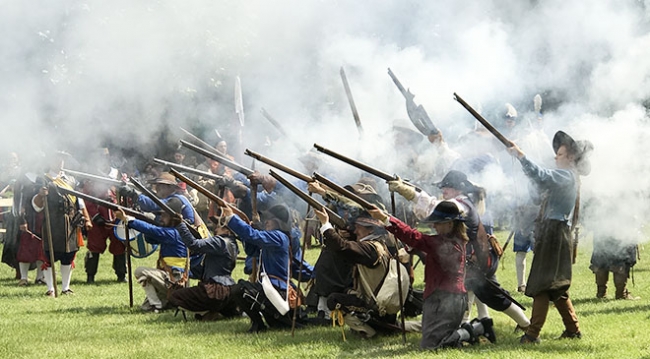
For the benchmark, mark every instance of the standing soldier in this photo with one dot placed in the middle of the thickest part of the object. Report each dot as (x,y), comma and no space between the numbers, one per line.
(550,274)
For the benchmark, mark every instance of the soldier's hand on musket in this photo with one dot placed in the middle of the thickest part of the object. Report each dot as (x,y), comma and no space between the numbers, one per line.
(119,214)
(436,139)
(402,188)
(176,219)
(43,192)
(322,215)
(226,211)
(515,151)
(315,187)
(23,227)
(379,215)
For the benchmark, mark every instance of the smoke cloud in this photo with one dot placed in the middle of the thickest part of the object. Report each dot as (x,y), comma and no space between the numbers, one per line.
(82,74)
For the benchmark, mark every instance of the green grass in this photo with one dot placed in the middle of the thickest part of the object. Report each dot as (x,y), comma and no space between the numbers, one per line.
(97,323)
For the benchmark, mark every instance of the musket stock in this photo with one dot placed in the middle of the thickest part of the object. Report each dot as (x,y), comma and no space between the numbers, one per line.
(335,219)
(484,122)
(278,165)
(346,193)
(362,166)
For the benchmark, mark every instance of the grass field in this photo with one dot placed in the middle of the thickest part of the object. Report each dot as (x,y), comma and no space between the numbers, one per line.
(97,322)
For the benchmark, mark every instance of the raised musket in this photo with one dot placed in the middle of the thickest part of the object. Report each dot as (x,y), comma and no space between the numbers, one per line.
(280,129)
(506,142)
(362,166)
(160,203)
(197,139)
(213,197)
(110,205)
(208,175)
(348,93)
(335,219)
(278,165)
(343,191)
(107,180)
(219,158)
(418,115)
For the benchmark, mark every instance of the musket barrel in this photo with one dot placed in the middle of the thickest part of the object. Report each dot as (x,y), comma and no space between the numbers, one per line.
(210,195)
(153,197)
(362,166)
(334,217)
(107,180)
(279,166)
(110,205)
(221,159)
(349,194)
(197,139)
(189,169)
(483,121)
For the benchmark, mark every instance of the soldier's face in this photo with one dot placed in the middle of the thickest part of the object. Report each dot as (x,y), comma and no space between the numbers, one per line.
(563,159)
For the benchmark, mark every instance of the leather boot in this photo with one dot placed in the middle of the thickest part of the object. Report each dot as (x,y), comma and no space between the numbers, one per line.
(538,316)
(602,276)
(484,327)
(91,262)
(119,266)
(568,314)
(620,281)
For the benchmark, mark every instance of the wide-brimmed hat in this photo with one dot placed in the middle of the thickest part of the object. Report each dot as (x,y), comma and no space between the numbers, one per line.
(365,220)
(445,211)
(367,192)
(456,180)
(280,214)
(165,178)
(580,149)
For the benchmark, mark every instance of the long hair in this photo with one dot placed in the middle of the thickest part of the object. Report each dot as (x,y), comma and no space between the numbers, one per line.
(477,195)
(460,231)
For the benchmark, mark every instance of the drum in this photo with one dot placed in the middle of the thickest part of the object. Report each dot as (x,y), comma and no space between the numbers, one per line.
(140,248)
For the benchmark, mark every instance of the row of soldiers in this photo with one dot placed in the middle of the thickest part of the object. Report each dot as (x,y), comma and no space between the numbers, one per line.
(461,258)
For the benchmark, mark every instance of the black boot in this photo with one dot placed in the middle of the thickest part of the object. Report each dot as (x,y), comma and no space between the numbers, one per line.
(488,330)
(91,262)
(119,266)
(467,327)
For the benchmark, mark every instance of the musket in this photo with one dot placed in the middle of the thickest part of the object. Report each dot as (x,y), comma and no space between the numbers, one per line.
(278,165)
(219,201)
(197,139)
(417,113)
(346,193)
(335,219)
(506,142)
(277,125)
(192,170)
(219,158)
(362,166)
(110,205)
(50,244)
(576,233)
(160,203)
(348,93)
(107,180)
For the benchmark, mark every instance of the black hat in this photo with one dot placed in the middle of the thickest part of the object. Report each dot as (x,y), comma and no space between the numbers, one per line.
(456,180)
(445,211)
(175,204)
(580,149)
(280,214)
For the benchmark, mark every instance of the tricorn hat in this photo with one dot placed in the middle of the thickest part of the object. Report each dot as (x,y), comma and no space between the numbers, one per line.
(445,211)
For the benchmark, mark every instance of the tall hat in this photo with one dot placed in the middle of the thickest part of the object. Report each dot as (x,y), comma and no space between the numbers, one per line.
(445,211)
(280,214)
(580,149)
